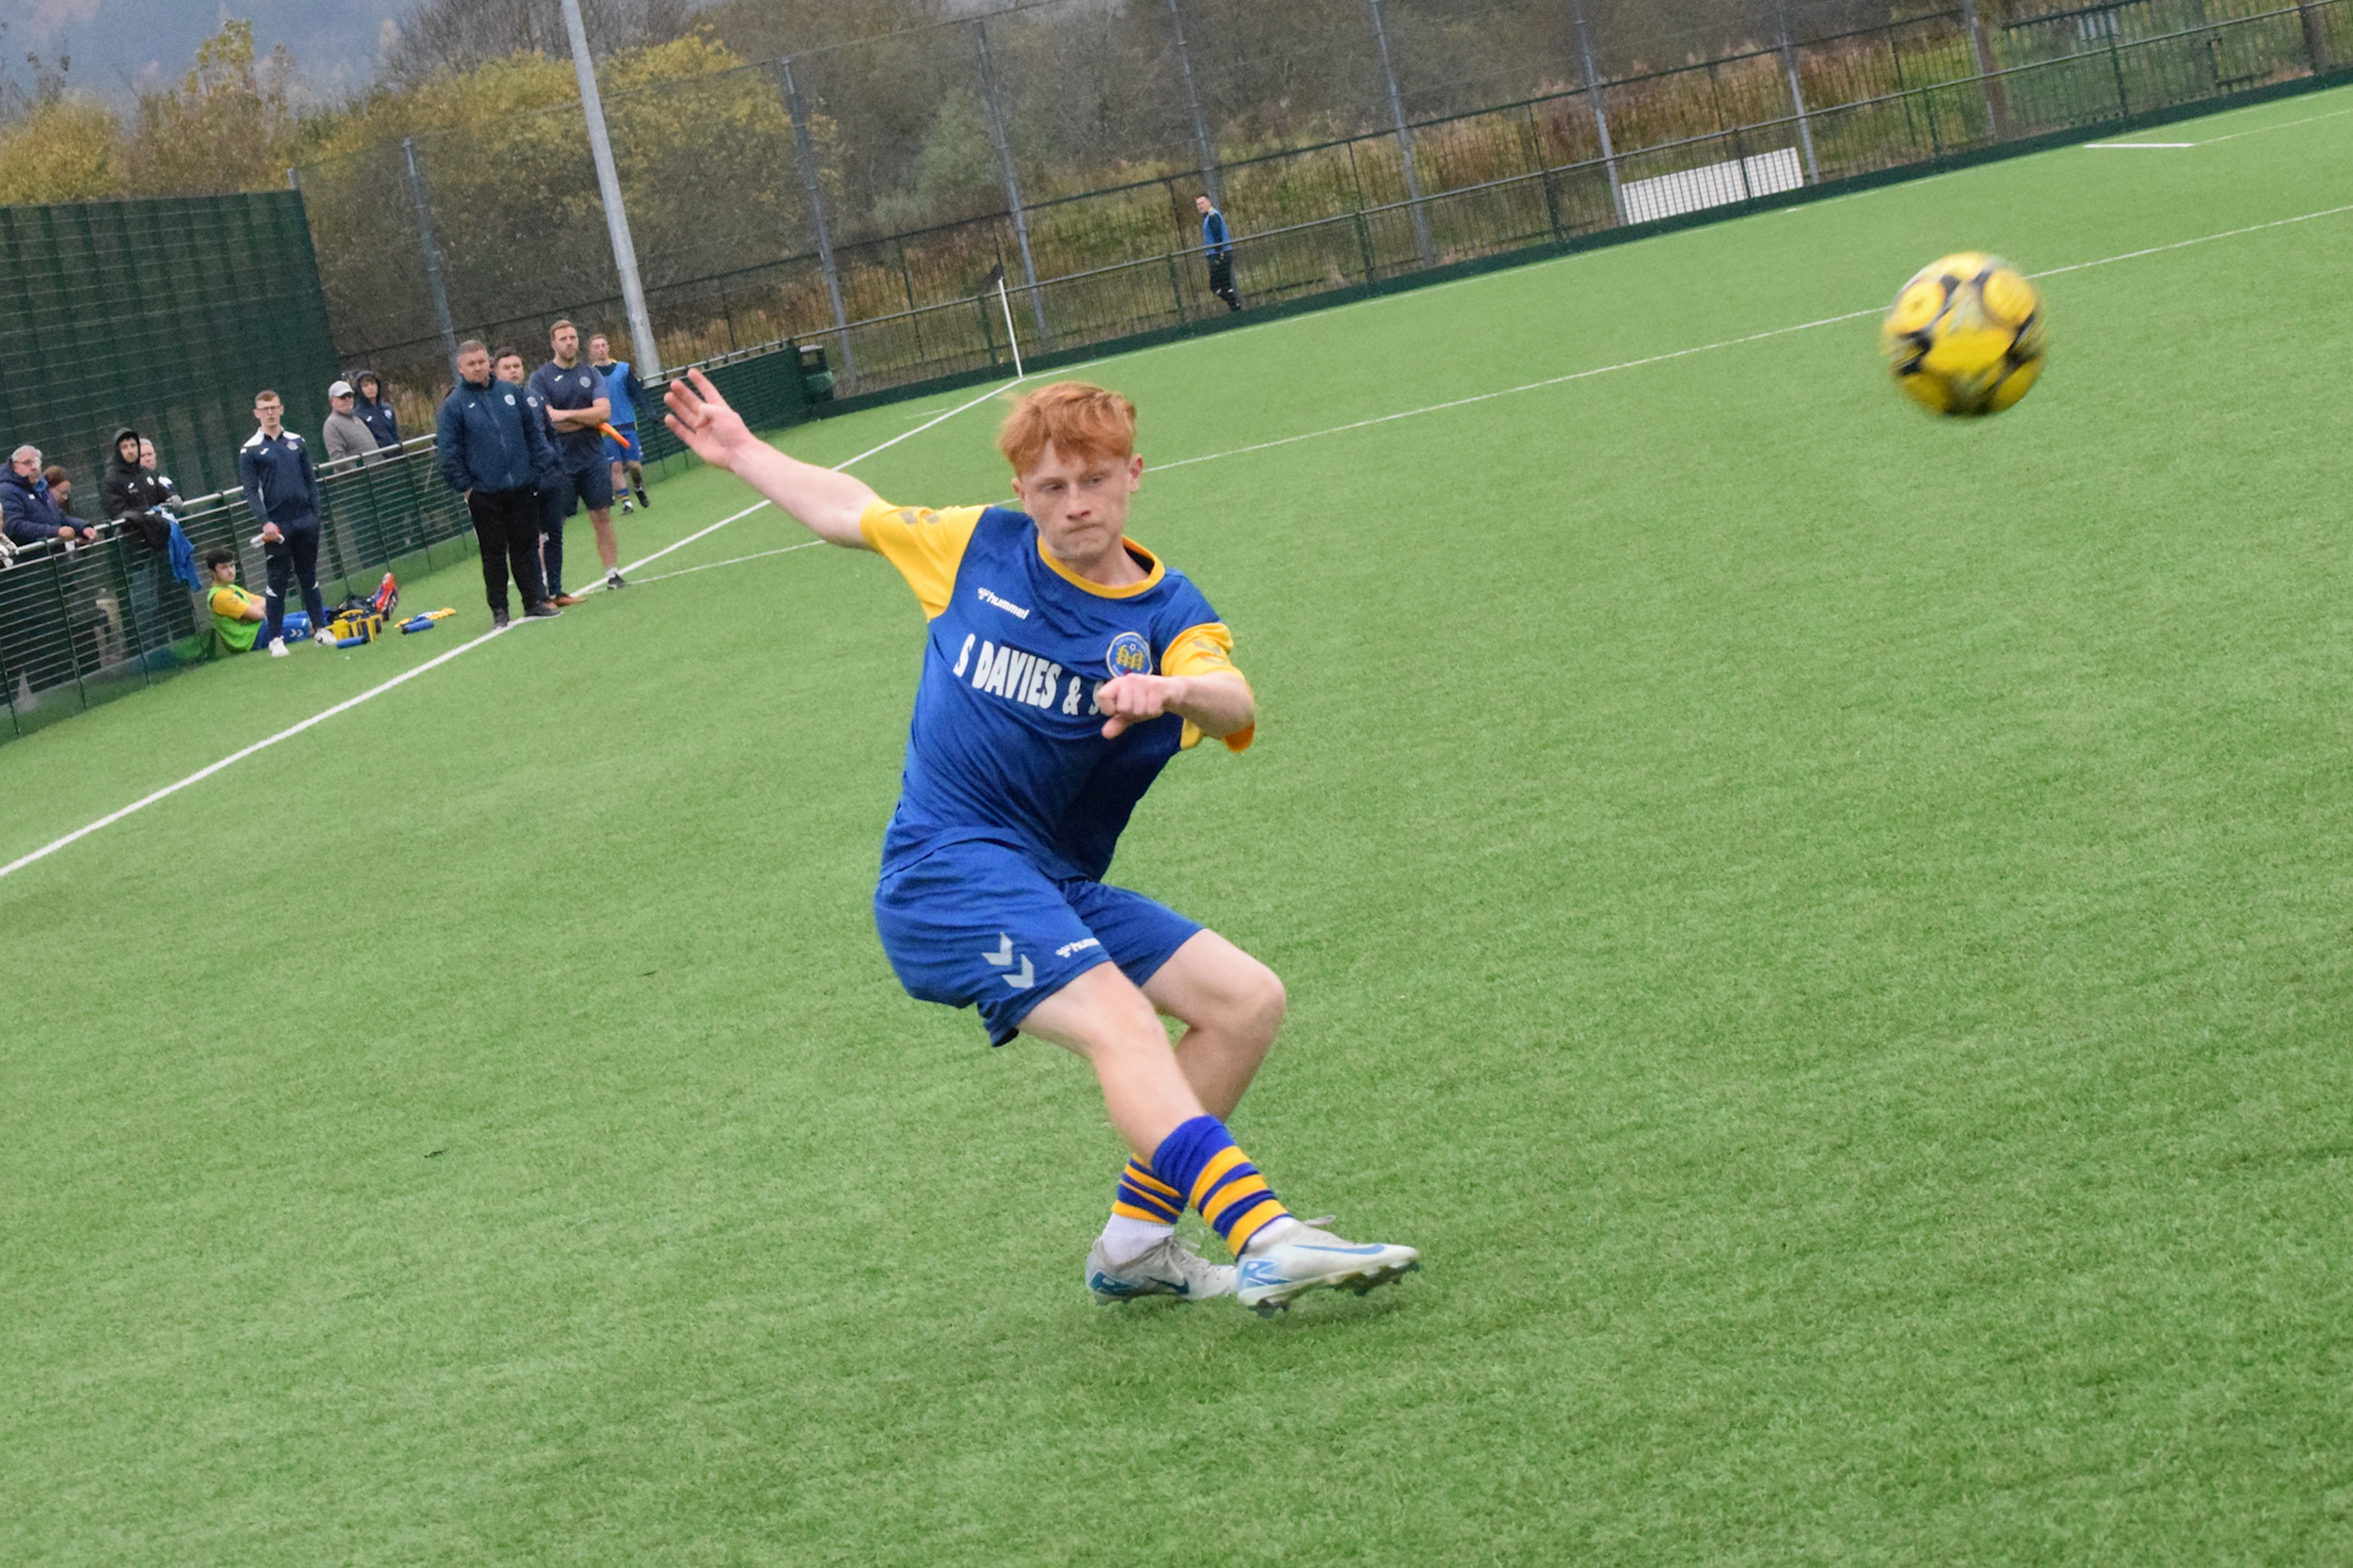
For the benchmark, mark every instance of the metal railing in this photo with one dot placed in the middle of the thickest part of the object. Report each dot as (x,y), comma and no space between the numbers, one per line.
(81,625)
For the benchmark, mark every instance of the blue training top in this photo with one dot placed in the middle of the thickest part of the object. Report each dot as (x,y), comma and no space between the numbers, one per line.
(1214,235)
(1006,744)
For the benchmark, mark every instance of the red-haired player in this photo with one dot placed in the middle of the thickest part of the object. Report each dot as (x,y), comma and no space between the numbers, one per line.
(1065,666)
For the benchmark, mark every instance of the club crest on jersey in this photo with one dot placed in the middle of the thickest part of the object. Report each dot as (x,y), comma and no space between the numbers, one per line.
(1130,655)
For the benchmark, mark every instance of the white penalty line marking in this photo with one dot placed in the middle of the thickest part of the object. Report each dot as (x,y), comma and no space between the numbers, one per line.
(1711,347)
(350,702)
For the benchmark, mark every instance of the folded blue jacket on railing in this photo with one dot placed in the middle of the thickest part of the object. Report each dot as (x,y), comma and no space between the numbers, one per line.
(488,440)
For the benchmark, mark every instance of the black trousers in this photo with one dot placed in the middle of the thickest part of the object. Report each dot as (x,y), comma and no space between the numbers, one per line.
(506,525)
(295,558)
(1221,280)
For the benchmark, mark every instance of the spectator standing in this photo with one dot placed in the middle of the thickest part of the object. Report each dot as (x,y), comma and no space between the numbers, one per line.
(627,394)
(1218,246)
(28,512)
(374,409)
(349,439)
(574,395)
(281,488)
(492,452)
(138,501)
(238,615)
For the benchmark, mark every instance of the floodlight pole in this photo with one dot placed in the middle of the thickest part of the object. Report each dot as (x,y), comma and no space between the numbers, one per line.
(805,147)
(1422,247)
(1192,101)
(648,356)
(432,258)
(1012,177)
(1988,80)
(1601,116)
(1797,92)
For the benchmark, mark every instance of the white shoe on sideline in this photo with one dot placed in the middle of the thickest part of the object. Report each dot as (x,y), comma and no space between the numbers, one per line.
(1169,1268)
(278,649)
(1292,1257)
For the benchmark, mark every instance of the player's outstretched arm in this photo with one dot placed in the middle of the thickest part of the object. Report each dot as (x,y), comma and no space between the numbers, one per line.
(1219,703)
(829,503)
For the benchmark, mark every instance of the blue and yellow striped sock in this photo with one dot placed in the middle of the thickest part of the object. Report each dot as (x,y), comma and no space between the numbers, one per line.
(1201,1160)
(1145,1197)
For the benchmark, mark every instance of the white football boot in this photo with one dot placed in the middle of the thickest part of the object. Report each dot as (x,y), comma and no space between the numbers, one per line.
(1168,1269)
(1292,1257)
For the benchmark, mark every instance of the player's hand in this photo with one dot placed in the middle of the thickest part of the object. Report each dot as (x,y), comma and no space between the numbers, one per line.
(700,417)
(1130,700)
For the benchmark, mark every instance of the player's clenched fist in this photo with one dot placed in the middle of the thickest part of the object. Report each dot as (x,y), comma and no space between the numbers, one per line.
(1134,699)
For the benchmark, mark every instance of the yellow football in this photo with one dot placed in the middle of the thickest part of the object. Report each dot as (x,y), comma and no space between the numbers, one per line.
(1966,336)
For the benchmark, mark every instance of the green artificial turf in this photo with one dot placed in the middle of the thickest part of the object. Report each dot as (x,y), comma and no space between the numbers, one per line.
(1827,927)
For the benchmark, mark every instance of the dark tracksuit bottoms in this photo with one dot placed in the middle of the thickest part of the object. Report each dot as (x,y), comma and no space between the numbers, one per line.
(294,558)
(506,525)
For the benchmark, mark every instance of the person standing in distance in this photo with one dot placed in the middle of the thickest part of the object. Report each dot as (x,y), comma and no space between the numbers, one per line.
(1219,247)
(282,489)
(1064,665)
(574,395)
(492,453)
(627,394)
(376,410)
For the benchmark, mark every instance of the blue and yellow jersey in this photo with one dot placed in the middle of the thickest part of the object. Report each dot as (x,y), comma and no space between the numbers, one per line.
(1006,743)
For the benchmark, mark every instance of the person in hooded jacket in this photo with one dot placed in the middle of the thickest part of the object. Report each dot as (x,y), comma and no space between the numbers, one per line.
(375,408)
(138,501)
(27,515)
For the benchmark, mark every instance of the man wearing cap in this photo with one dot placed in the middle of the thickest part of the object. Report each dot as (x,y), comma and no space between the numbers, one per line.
(348,439)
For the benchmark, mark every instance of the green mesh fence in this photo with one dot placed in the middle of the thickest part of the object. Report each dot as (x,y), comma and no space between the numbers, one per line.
(168,315)
(856,196)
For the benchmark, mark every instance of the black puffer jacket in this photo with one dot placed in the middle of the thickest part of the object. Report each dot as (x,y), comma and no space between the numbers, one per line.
(133,496)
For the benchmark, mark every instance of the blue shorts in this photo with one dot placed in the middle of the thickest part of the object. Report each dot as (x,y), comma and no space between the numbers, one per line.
(974,925)
(625,450)
(589,485)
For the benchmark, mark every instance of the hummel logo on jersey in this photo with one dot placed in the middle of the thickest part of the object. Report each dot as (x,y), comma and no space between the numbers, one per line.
(1006,605)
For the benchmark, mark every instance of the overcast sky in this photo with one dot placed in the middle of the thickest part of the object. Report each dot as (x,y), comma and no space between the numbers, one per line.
(118,45)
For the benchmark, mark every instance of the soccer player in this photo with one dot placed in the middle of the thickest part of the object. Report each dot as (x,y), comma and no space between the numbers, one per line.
(1064,665)
(627,394)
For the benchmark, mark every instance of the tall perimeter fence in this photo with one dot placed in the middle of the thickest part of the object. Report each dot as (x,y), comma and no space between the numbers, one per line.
(853,198)
(796,209)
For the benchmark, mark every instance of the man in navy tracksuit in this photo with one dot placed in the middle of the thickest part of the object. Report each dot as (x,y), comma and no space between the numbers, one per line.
(283,491)
(494,454)
(573,394)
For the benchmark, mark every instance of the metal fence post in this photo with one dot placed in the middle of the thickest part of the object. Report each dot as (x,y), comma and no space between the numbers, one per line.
(1988,80)
(1013,178)
(1797,92)
(432,258)
(1364,243)
(1422,246)
(2315,35)
(805,150)
(1601,117)
(2116,68)
(1192,101)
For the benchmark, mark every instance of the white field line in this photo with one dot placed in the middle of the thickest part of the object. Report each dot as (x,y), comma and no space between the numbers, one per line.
(2282,125)
(2122,145)
(732,561)
(350,702)
(1710,347)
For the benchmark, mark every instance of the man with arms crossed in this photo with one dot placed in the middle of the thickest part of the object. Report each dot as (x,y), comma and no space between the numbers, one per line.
(1064,665)
(576,403)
